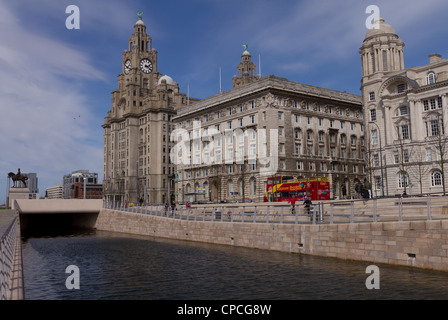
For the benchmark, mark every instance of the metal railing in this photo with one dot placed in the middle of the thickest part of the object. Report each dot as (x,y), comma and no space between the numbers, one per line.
(8,237)
(329,212)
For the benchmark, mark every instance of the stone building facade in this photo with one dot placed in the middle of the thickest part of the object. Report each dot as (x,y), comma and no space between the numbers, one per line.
(229,144)
(406,116)
(138,126)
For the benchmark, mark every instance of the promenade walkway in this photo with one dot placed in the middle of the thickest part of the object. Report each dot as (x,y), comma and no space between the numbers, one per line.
(6,216)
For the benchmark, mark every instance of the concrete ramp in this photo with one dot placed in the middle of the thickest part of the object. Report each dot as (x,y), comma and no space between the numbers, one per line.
(59,206)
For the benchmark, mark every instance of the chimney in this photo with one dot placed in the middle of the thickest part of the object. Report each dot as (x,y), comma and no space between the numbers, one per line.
(433,58)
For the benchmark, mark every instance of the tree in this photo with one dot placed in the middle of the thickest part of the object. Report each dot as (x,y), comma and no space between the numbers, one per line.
(422,169)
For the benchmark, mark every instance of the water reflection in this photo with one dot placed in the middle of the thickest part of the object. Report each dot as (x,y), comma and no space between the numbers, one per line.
(117,266)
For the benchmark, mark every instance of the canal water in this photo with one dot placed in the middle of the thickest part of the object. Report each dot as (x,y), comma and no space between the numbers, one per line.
(122,267)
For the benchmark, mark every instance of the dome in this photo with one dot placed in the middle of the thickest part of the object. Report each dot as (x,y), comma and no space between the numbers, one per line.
(379,28)
(168,80)
(140,22)
(246,53)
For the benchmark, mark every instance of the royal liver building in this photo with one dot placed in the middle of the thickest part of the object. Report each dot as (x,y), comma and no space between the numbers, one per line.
(138,126)
(406,116)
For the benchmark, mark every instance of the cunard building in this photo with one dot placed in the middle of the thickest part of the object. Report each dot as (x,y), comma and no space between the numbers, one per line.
(230,143)
(138,126)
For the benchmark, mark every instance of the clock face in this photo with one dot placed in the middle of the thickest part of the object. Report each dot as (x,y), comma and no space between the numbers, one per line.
(146,66)
(127,66)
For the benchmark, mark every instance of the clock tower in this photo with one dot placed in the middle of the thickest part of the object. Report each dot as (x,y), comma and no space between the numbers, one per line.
(138,126)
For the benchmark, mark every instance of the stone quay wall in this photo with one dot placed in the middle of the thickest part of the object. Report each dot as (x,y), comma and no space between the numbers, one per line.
(421,244)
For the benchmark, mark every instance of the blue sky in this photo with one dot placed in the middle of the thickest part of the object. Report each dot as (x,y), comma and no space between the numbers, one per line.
(56,84)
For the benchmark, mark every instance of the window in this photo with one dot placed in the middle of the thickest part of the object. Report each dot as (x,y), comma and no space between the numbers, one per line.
(428,154)
(321,136)
(372,96)
(403,179)
(374,137)
(342,138)
(321,122)
(253,183)
(297,118)
(406,155)
(230,184)
(401,88)
(372,115)
(436,178)
(377,182)
(252,119)
(405,131)
(297,148)
(229,125)
(309,135)
(431,78)
(403,110)
(342,124)
(299,165)
(376,160)
(331,123)
(308,119)
(434,127)
(384,60)
(280,115)
(396,158)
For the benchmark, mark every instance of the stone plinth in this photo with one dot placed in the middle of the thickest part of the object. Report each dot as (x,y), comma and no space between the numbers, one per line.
(17,193)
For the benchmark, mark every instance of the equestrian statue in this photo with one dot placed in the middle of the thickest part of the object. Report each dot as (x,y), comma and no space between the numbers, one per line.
(17,177)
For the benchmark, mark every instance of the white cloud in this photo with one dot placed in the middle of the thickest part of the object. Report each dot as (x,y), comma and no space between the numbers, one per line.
(46,123)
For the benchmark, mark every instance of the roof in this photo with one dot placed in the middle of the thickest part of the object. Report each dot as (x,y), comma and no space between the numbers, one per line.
(269,82)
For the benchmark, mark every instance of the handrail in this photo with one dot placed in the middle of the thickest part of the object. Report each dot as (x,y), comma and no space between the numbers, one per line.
(8,237)
(322,212)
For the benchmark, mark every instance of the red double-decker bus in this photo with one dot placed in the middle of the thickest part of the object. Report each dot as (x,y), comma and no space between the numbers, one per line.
(285,188)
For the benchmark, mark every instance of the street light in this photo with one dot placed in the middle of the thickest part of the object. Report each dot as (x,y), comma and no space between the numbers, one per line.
(381,157)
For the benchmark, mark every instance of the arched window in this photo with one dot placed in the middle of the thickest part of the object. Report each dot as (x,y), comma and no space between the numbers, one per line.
(431,78)
(403,179)
(230,184)
(253,186)
(436,178)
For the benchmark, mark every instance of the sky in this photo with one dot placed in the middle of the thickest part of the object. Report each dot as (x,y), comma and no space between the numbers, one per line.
(56,83)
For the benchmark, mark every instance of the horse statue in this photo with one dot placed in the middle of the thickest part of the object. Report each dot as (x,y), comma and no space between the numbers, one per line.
(17,177)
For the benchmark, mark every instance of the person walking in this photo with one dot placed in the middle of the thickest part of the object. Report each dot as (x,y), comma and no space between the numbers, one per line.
(292,201)
(307,204)
(344,192)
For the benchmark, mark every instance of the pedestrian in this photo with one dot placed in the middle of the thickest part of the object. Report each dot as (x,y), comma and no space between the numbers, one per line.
(166,208)
(344,192)
(292,201)
(307,204)
(358,189)
(367,186)
(173,207)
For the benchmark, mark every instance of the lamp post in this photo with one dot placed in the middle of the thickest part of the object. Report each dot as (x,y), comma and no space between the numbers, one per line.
(381,157)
